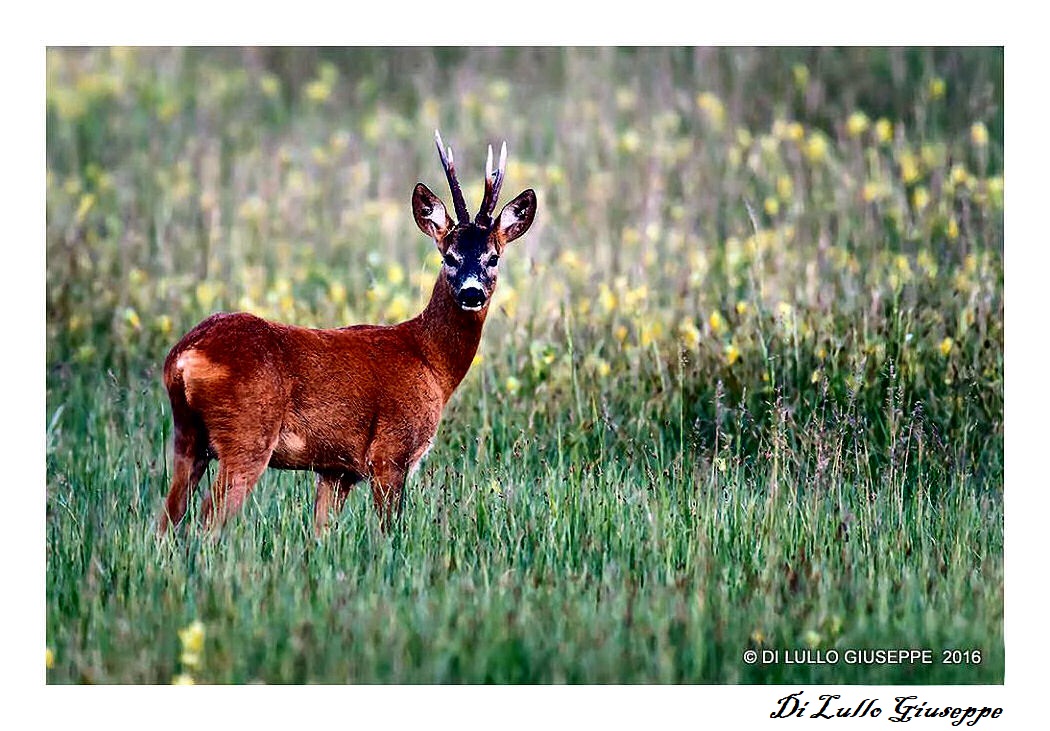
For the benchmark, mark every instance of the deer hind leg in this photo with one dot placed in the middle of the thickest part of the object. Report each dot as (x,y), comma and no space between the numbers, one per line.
(332,489)
(239,470)
(190,459)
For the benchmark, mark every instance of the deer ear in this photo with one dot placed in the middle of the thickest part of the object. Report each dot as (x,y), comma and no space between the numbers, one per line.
(430,213)
(516,217)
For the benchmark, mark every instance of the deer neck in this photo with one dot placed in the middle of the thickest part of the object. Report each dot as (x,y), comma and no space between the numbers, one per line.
(448,335)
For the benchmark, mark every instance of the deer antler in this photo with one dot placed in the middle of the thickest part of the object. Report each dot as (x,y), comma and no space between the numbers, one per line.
(493,183)
(448,163)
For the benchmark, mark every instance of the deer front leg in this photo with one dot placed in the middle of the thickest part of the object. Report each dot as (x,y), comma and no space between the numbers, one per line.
(388,482)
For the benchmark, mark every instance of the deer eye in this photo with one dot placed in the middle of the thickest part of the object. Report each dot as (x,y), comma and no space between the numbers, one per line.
(451,260)
(493,260)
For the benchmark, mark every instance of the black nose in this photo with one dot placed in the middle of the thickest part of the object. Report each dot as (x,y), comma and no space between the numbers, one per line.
(471,297)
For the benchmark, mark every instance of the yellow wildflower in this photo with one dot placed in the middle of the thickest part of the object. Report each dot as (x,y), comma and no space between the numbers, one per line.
(946,346)
(206,293)
(903,266)
(741,307)
(857,124)
(636,296)
(883,130)
(512,385)
(928,263)
(712,108)
(771,206)
(816,147)
(995,189)
(49,658)
(192,637)
(937,87)
(337,292)
(732,353)
(137,277)
(959,175)
(953,229)
(979,134)
(872,191)
(630,141)
(650,333)
(131,317)
(183,679)
(920,198)
(318,91)
(87,202)
(909,168)
(688,333)
(398,308)
(717,322)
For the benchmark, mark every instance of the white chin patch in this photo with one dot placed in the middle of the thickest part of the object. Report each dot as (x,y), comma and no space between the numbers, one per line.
(471,309)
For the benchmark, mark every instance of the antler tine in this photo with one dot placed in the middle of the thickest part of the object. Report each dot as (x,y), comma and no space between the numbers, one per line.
(447,162)
(493,183)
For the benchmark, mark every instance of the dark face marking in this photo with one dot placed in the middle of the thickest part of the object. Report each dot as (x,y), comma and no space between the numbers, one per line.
(471,259)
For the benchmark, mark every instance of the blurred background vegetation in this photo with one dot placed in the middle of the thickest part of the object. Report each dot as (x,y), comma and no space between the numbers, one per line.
(761,271)
(684,195)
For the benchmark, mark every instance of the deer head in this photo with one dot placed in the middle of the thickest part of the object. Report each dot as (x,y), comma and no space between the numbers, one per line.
(471,249)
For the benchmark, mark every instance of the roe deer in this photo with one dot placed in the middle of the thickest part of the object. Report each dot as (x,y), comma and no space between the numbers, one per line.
(351,403)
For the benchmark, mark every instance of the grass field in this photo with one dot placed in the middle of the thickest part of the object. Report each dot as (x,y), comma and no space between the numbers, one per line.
(741,386)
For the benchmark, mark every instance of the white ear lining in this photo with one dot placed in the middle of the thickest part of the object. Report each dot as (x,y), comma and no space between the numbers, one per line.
(437,215)
(509,216)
